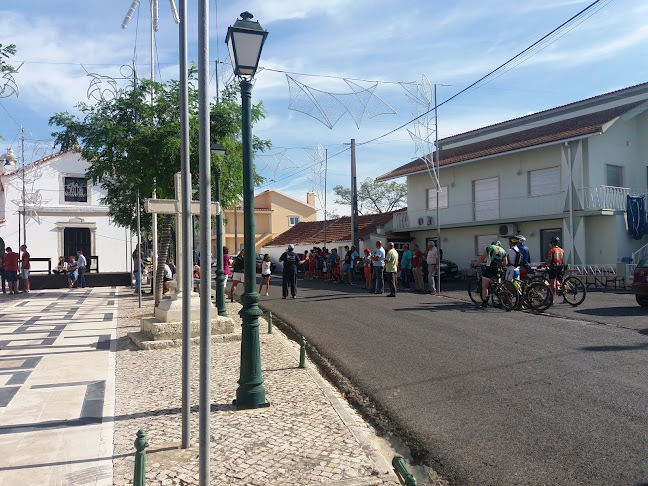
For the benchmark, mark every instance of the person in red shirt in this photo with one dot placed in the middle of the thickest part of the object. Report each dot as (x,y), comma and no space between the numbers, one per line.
(11,270)
(417,269)
(26,267)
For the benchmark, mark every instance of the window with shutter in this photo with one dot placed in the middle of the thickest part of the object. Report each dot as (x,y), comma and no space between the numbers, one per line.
(613,175)
(544,181)
(482,242)
(431,198)
(486,199)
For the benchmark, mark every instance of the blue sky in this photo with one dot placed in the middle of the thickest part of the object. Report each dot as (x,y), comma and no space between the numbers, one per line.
(452,43)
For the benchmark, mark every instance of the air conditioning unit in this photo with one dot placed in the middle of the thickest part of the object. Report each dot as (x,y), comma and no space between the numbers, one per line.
(507,230)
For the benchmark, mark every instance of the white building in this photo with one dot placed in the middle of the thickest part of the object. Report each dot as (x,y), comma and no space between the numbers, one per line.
(561,172)
(64,214)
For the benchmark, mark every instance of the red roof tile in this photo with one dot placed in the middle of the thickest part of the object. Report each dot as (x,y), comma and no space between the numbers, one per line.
(553,132)
(336,230)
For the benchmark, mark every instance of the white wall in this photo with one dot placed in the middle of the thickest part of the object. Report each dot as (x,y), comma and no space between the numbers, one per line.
(112,244)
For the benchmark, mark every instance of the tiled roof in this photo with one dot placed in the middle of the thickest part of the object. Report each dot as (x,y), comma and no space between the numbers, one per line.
(552,132)
(40,161)
(336,230)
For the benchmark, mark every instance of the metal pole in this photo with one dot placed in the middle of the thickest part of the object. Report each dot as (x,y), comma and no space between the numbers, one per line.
(220,265)
(250,393)
(139,253)
(354,199)
(155,244)
(325,173)
(22,145)
(204,155)
(571,204)
(436,153)
(236,247)
(185,194)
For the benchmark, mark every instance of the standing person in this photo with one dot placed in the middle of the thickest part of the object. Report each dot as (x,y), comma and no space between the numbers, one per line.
(555,262)
(391,264)
(346,266)
(525,265)
(354,261)
(238,274)
(514,258)
(81,263)
(406,267)
(290,260)
(366,263)
(2,274)
(335,263)
(11,269)
(377,279)
(167,277)
(265,272)
(495,257)
(417,269)
(26,267)
(432,263)
(196,277)
(72,272)
(312,261)
(138,267)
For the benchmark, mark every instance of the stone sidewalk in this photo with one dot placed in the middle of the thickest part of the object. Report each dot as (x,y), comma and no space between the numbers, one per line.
(57,381)
(309,435)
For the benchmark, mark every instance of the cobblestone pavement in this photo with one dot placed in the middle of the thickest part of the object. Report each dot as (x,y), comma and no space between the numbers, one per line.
(309,435)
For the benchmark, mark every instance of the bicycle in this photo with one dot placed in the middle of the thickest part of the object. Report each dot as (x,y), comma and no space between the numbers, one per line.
(534,294)
(572,288)
(501,293)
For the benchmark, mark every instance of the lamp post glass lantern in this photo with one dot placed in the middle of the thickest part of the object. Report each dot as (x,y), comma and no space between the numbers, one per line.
(245,40)
(217,149)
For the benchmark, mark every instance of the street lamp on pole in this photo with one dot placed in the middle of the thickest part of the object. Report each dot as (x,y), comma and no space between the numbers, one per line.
(218,149)
(245,40)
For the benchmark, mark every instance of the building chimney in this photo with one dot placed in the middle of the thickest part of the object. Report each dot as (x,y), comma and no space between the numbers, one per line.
(310,198)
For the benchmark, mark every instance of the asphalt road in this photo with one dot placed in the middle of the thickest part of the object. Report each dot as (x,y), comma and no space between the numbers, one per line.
(493,397)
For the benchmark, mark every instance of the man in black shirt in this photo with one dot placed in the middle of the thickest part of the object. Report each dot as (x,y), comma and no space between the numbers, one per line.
(290,261)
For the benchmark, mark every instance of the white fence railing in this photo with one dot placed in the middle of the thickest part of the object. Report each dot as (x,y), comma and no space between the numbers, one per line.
(603,197)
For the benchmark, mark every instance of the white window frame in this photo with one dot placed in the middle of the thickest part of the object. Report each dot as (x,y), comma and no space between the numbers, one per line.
(430,198)
(290,219)
(547,188)
(607,182)
(490,208)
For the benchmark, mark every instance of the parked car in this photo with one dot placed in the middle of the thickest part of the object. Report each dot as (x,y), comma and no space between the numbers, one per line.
(449,269)
(259,259)
(640,282)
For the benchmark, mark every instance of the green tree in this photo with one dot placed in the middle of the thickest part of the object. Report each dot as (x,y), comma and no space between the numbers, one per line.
(374,197)
(133,146)
(5,53)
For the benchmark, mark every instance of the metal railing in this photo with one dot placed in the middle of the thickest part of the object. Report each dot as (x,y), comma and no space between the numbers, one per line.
(603,197)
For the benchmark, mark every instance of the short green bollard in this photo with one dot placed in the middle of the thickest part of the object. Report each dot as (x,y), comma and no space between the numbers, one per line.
(401,469)
(302,352)
(269,322)
(141,443)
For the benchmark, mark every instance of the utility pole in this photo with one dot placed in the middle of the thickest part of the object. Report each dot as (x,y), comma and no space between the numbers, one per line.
(436,153)
(22,145)
(355,239)
(325,174)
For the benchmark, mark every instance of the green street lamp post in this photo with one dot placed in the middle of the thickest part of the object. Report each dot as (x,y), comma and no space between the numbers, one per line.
(218,149)
(245,40)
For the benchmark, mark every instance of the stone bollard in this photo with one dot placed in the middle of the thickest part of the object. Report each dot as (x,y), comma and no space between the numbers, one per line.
(269,322)
(141,443)
(302,352)
(401,470)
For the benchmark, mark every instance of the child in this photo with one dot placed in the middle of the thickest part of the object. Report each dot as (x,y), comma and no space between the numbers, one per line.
(367,268)
(265,272)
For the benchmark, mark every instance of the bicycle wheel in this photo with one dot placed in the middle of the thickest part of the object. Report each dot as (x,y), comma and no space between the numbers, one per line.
(538,296)
(474,290)
(574,291)
(507,295)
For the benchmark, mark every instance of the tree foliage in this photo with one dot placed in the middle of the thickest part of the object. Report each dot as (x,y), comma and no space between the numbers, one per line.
(133,146)
(5,53)
(374,197)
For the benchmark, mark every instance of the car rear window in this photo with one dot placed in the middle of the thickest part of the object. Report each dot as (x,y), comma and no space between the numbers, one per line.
(643,262)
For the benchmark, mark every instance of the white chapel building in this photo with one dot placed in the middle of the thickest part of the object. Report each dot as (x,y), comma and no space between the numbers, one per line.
(63,213)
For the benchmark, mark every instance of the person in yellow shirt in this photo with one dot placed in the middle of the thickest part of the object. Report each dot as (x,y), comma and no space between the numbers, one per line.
(391,268)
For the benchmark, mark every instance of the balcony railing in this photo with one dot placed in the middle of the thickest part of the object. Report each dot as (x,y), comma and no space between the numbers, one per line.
(603,197)
(511,208)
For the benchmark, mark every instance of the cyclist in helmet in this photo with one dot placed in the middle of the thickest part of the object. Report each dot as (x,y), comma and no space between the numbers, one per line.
(555,262)
(514,258)
(525,266)
(495,257)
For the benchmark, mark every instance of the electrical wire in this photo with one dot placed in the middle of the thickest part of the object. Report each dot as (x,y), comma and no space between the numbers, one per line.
(10,116)
(501,66)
